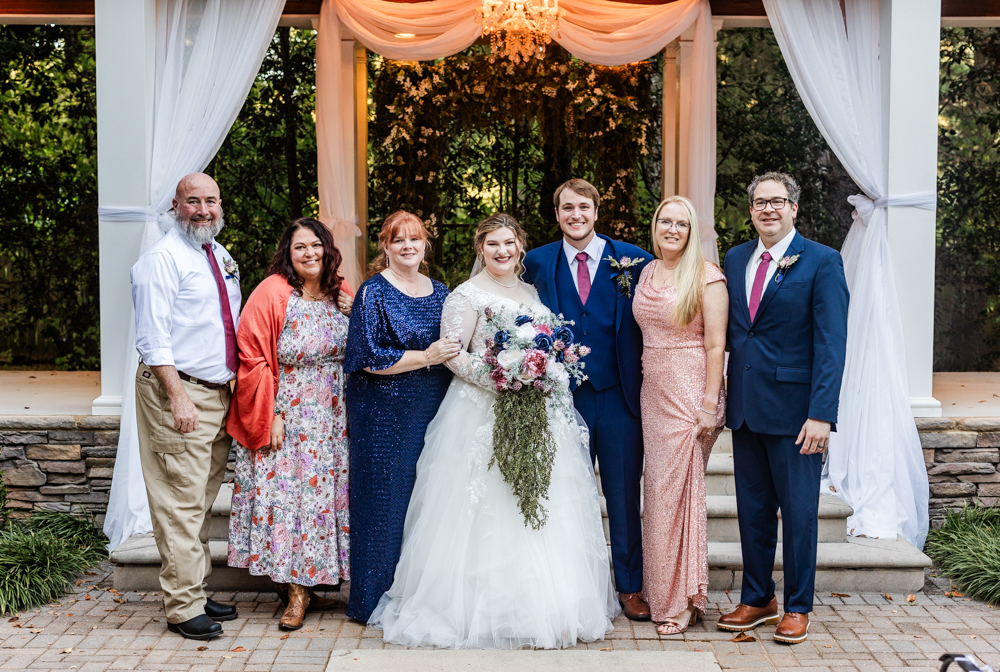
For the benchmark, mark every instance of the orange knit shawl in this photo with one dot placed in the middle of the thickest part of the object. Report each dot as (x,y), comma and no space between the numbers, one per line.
(261,321)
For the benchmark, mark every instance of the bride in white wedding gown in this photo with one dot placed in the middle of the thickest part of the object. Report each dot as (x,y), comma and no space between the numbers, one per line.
(471,574)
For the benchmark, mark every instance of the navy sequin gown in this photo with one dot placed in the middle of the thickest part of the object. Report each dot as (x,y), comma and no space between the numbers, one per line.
(387,416)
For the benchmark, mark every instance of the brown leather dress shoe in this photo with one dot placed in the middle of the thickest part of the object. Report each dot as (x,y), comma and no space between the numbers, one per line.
(793,629)
(744,617)
(298,602)
(633,606)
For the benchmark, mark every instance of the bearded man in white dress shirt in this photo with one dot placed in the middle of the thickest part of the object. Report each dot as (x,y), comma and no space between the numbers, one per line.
(186,293)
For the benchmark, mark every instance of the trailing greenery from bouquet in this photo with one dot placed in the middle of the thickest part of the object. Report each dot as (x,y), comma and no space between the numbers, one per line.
(458,139)
(967,550)
(40,557)
(530,356)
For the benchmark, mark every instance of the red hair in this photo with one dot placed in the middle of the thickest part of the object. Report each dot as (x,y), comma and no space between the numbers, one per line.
(398,222)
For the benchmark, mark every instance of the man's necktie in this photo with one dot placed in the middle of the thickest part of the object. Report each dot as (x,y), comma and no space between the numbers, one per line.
(582,277)
(758,284)
(232,360)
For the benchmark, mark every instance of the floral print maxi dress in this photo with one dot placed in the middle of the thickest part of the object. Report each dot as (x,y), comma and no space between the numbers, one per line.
(289,518)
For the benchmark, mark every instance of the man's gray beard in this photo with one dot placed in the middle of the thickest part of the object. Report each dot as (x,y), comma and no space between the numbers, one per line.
(201,234)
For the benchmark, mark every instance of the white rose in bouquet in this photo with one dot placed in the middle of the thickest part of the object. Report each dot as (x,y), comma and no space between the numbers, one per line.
(509,358)
(526,331)
(557,372)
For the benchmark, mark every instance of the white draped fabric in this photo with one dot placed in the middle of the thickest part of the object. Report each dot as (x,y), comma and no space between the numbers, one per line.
(208,53)
(599,31)
(875,460)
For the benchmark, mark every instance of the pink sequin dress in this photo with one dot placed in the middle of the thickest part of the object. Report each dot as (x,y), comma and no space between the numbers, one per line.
(675,517)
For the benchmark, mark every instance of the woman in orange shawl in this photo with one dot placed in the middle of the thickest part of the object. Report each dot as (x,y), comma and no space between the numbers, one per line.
(289,517)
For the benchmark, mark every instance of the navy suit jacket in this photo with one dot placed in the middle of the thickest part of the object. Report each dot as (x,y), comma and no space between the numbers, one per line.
(540,267)
(787,365)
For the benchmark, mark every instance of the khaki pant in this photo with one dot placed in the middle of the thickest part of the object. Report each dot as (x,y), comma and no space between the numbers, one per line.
(183,474)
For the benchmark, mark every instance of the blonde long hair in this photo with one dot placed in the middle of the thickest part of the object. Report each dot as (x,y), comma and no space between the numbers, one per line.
(689,276)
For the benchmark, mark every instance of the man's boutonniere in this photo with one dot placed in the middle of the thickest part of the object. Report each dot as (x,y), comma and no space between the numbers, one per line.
(232,270)
(622,276)
(783,265)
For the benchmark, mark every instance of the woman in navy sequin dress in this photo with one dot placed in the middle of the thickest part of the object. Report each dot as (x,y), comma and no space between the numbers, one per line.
(395,385)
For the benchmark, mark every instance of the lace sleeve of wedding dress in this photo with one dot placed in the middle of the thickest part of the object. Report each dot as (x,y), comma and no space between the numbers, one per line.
(458,320)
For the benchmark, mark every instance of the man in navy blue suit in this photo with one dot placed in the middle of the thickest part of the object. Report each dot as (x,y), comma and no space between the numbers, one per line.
(787,344)
(575,277)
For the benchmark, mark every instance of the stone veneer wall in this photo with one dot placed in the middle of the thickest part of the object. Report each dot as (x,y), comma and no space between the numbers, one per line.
(961,457)
(66,462)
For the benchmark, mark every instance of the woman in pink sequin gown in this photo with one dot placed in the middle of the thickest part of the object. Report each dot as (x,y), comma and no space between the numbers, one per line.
(681,305)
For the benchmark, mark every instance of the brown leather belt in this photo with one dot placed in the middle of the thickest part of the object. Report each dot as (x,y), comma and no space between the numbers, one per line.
(199,381)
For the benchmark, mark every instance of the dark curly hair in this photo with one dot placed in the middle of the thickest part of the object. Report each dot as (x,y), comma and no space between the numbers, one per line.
(281,264)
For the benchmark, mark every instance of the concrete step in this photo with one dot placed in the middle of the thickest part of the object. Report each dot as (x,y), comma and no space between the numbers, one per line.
(857,565)
(723,524)
(719,479)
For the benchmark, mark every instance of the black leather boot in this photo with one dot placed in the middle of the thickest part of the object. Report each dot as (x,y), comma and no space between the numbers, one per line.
(199,627)
(220,612)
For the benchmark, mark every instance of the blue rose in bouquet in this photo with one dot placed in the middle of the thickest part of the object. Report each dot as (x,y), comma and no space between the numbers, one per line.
(523,319)
(564,334)
(501,338)
(543,341)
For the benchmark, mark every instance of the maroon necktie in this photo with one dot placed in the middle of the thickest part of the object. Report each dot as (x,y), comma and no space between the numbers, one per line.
(582,277)
(758,284)
(232,360)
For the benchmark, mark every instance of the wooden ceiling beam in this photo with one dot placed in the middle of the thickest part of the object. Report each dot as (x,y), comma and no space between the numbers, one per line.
(67,10)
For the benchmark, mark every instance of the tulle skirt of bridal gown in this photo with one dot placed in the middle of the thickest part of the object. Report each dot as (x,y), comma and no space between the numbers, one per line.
(471,575)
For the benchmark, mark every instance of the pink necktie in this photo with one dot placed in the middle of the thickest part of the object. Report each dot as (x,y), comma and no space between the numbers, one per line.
(758,284)
(583,277)
(232,360)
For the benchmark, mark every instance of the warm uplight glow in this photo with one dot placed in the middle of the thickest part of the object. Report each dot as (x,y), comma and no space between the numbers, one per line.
(527,25)
(405,36)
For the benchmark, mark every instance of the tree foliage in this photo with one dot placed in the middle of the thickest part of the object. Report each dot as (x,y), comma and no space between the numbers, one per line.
(967,314)
(49,288)
(458,139)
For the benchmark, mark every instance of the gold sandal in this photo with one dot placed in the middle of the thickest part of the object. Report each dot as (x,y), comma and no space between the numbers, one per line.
(668,628)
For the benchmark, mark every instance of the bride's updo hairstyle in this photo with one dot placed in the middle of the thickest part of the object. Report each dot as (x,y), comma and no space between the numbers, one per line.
(501,220)
(398,223)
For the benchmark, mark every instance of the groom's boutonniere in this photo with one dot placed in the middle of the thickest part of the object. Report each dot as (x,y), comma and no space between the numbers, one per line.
(232,270)
(622,276)
(783,265)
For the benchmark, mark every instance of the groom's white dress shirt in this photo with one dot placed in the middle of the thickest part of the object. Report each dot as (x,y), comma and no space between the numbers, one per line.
(777,252)
(178,317)
(594,250)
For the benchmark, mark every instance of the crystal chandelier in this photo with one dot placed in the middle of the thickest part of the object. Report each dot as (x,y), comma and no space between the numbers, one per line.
(527,25)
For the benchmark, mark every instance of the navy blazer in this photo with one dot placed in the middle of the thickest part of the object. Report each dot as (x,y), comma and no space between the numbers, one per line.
(540,267)
(788,364)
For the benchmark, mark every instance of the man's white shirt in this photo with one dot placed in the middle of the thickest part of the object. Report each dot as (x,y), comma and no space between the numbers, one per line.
(178,316)
(777,252)
(594,250)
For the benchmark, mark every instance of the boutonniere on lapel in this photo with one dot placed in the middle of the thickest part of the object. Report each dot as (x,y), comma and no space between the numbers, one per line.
(783,265)
(232,270)
(622,276)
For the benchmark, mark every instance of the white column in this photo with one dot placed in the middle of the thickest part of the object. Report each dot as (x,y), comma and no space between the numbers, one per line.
(126,36)
(910,43)
(684,51)
(670,127)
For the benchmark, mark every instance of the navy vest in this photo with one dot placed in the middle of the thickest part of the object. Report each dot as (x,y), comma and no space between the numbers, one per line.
(594,323)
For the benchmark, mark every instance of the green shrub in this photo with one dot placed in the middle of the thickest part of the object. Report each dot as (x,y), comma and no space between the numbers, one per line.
(40,558)
(967,549)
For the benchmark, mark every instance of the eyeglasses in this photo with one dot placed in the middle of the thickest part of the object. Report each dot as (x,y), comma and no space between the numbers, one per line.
(671,224)
(776,203)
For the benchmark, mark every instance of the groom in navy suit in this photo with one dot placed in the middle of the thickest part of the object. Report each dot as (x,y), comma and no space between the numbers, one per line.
(575,277)
(787,344)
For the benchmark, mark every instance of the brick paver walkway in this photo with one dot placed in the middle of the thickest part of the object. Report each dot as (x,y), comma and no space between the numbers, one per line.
(97,629)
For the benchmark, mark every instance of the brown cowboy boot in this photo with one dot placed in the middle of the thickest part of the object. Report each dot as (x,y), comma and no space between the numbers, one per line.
(319,603)
(298,602)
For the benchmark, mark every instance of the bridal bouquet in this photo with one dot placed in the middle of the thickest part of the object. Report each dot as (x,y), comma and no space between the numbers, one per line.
(528,357)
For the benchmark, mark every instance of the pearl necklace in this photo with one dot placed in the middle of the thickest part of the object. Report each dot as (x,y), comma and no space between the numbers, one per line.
(490,276)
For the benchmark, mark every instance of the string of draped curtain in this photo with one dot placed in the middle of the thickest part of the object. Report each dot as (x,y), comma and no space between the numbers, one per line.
(875,461)
(208,53)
